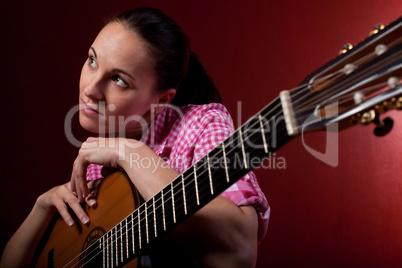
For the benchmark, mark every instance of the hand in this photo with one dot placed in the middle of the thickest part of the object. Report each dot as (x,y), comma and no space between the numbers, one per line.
(101,151)
(58,197)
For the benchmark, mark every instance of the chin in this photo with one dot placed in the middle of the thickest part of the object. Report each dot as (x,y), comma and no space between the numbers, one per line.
(89,125)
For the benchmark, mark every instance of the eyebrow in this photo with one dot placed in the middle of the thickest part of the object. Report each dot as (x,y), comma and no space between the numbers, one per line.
(115,70)
(93,50)
(123,72)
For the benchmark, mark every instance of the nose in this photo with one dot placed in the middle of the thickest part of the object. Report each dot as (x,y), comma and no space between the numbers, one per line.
(93,86)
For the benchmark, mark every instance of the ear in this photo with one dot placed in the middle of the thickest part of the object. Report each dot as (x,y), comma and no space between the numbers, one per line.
(166,96)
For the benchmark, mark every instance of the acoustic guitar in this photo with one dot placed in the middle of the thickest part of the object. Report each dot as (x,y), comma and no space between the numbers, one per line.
(354,88)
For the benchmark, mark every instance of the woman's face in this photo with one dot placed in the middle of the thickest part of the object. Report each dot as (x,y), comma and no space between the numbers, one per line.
(117,84)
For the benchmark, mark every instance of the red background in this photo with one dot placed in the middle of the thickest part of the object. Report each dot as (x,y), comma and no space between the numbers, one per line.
(349,216)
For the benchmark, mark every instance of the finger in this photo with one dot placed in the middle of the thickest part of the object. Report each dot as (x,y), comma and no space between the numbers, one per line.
(73,186)
(61,198)
(91,200)
(91,142)
(78,210)
(63,211)
(66,196)
(78,177)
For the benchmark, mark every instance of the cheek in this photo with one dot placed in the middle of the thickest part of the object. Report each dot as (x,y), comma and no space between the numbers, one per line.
(132,112)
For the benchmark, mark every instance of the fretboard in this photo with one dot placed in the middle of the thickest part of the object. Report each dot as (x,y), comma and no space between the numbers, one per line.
(233,158)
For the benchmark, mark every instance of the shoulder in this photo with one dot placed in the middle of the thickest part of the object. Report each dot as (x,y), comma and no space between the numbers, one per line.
(204,114)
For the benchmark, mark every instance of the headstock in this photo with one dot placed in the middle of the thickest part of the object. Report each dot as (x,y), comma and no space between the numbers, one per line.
(357,87)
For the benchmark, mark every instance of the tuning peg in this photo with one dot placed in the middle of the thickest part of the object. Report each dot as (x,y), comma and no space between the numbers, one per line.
(377,28)
(383,126)
(368,117)
(346,48)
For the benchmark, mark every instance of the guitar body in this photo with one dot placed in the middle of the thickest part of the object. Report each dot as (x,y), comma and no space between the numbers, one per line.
(65,246)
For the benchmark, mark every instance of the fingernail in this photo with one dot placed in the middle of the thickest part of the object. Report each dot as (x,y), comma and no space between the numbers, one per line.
(85,219)
(91,202)
(70,223)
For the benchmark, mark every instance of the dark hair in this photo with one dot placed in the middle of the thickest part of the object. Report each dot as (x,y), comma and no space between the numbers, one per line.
(175,65)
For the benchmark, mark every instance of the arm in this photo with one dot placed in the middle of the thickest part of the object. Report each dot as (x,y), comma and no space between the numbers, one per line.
(20,249)
(220,234)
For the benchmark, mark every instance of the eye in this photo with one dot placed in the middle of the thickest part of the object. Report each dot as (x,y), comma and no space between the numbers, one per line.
(119,81)
(92,62)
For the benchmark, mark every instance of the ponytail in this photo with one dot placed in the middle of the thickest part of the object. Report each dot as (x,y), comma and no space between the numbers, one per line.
(197,86)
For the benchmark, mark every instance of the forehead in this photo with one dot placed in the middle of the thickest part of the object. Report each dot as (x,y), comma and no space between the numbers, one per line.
(117,44)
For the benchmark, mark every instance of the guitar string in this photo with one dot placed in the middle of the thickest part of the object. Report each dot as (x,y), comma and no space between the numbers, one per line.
(112,240)
(371,56)
(340,72)
(178,195)
(203,164)
(177,211)
(334,76)
(130,228)
(147,215)
(348,98)
(348,83)
(126,219)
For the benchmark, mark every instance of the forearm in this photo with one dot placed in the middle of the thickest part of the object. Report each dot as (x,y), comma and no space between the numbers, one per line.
(20,249)
(221,233)
(148,172)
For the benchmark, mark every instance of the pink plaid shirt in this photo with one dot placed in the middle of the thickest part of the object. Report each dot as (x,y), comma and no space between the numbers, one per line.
(183,135)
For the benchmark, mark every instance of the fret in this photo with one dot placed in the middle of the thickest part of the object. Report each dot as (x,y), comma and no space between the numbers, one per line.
(189,194)
(196,184)
(210,176)
(173,204)
(139,228)
(132,231)
(127,255)
(184,194)
(153,206)
(107,249)
(121,242)
(263,134)
(225,162)
(242,148)
(111,248)
(146,222)
(199,185)
(117,247)
(163,211)
(102,246)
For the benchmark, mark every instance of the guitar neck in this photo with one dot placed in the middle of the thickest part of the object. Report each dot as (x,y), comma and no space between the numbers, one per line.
(352,84)
(245,149)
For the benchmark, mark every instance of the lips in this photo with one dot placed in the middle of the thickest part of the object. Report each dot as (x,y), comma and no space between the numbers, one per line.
(90,109)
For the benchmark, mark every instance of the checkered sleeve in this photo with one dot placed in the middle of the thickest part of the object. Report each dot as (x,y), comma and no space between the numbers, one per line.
(217,125)
(94,172)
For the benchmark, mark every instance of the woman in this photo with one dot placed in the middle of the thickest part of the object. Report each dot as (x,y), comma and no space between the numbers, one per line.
(139,63)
